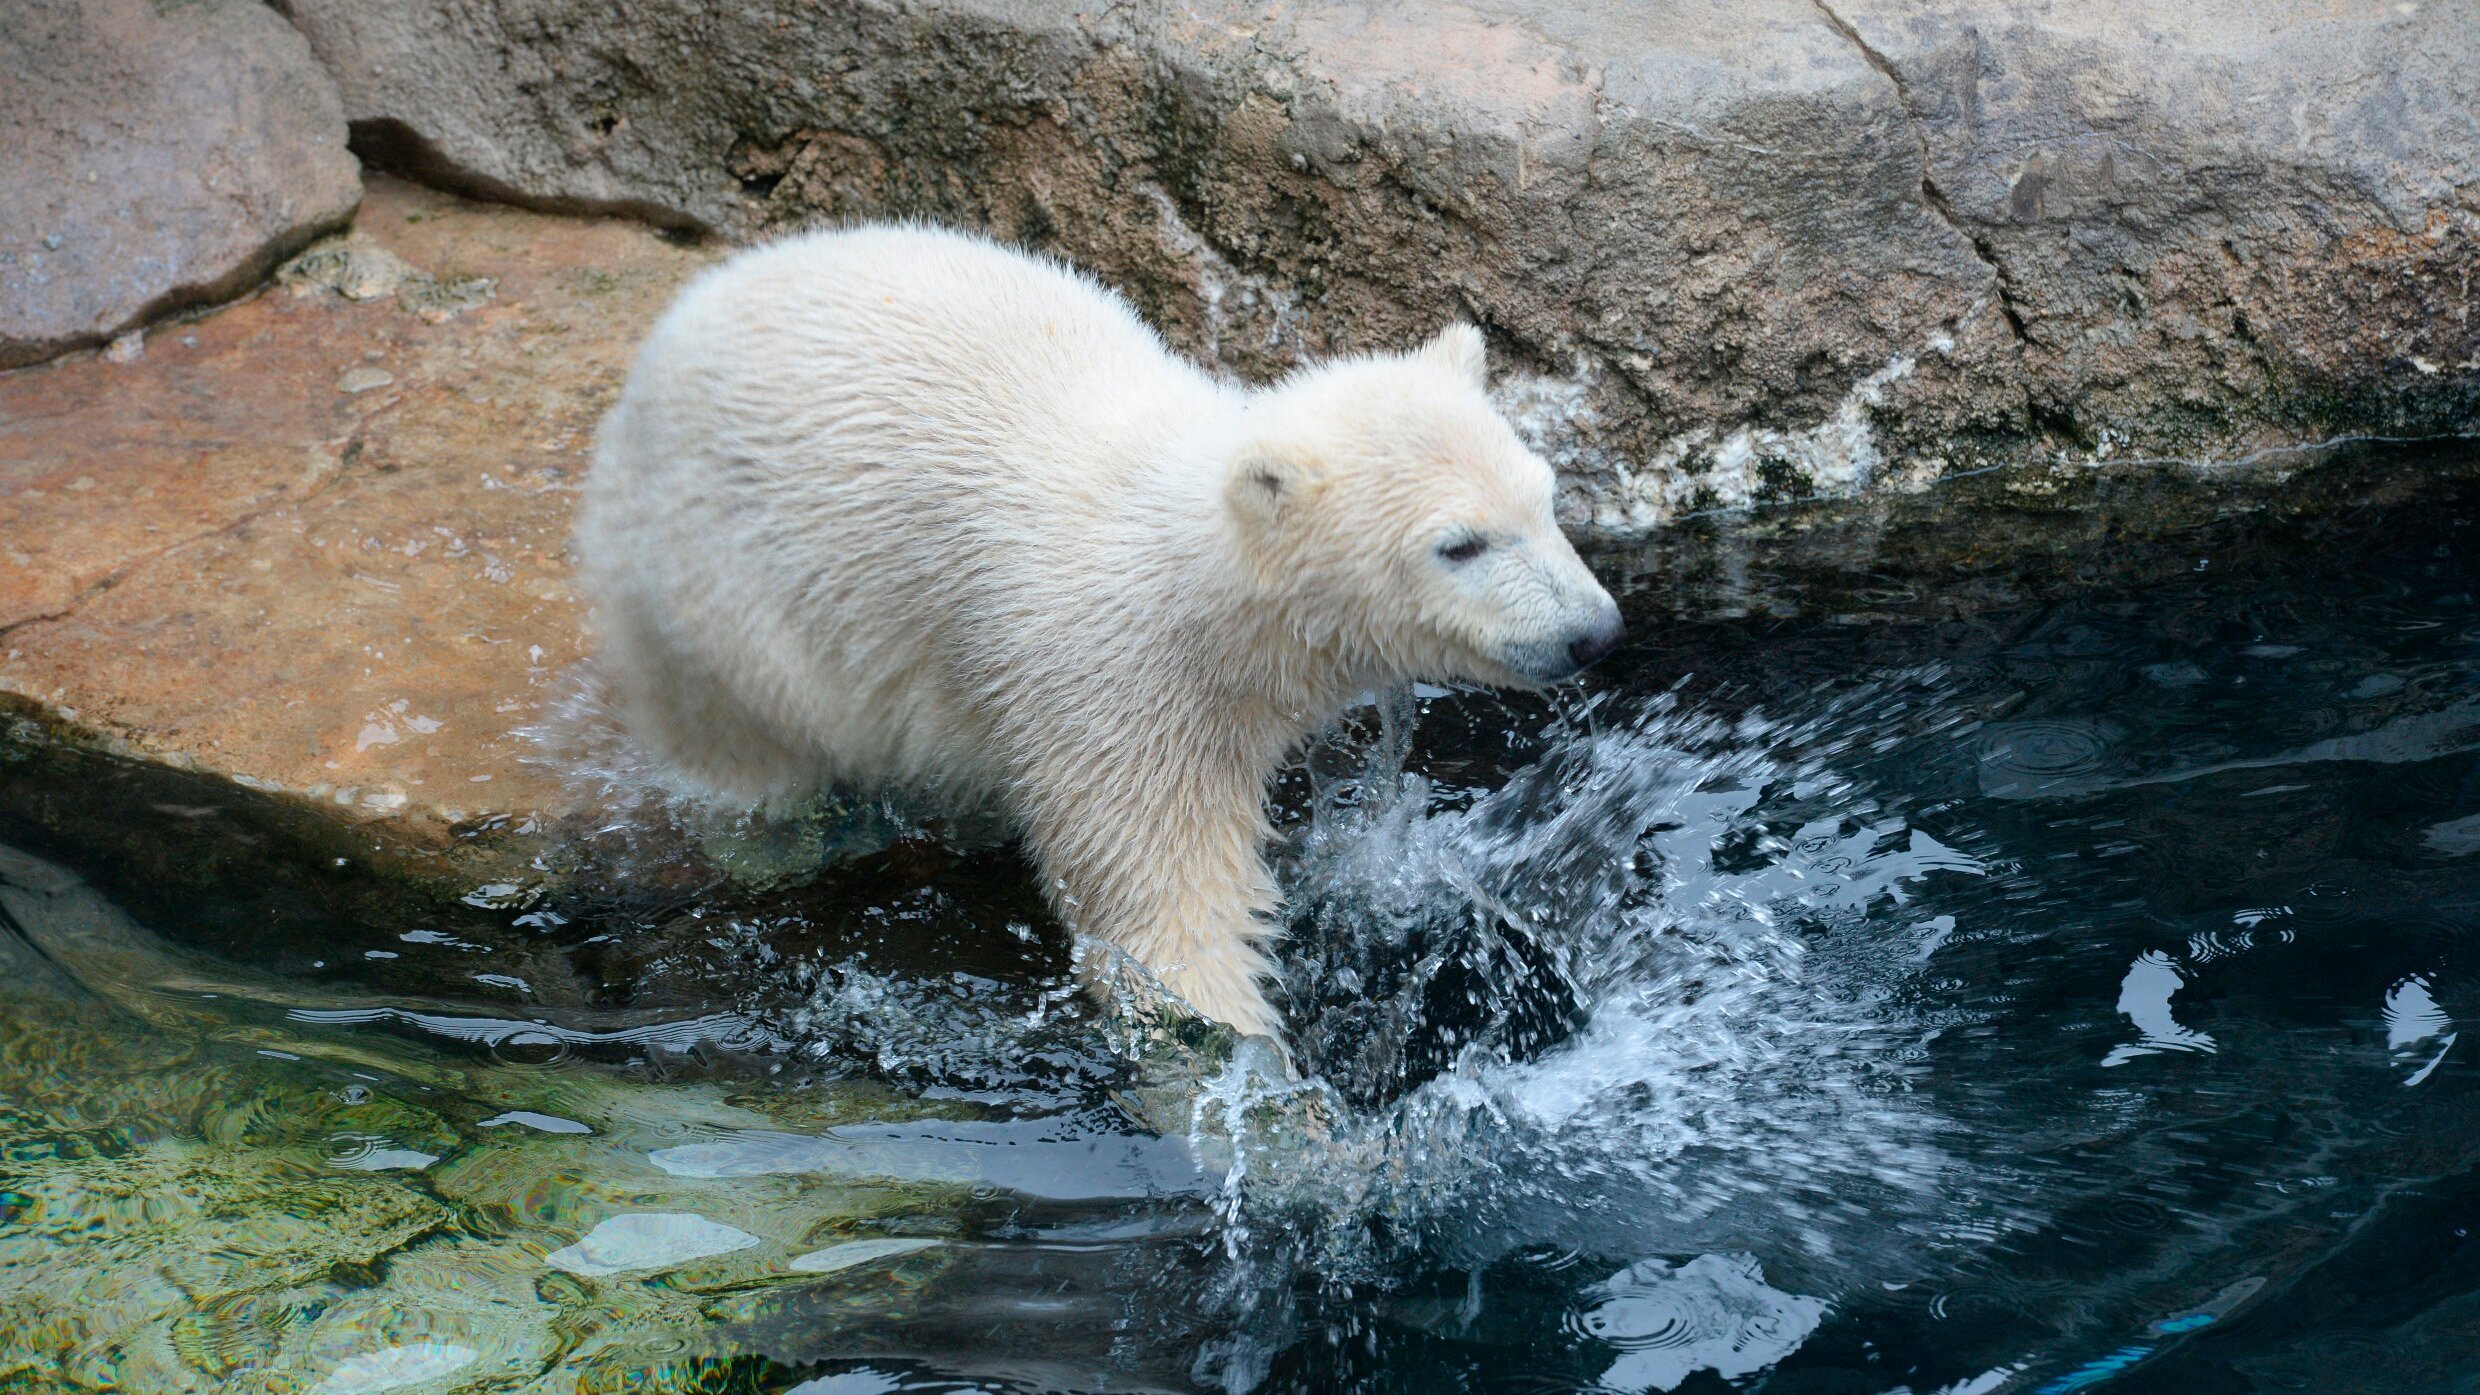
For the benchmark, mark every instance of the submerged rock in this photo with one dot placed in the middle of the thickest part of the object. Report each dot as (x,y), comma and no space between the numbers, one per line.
(1769,250)
(154,157)
(648,1241)
(187,1184)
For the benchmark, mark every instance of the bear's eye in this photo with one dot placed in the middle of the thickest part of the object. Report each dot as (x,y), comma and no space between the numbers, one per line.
(1463,549)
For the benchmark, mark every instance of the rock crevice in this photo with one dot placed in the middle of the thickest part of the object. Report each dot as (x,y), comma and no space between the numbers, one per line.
(1931,196)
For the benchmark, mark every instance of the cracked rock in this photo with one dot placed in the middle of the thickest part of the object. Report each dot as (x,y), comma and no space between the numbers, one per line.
(2214,226)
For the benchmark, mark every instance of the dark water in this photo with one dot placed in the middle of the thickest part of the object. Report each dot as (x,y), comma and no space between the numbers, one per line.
(2036,997)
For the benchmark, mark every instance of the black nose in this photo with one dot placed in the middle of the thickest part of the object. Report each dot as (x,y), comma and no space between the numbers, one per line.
(1596,642)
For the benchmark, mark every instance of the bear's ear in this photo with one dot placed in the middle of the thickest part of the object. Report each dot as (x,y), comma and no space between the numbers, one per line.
(1458,349)
(1268,486)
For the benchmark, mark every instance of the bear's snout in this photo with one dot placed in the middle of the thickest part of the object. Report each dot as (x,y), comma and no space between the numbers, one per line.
(1549,660)
(1595,642)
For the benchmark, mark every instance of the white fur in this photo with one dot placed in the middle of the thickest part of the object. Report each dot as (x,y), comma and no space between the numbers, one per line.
(894,506)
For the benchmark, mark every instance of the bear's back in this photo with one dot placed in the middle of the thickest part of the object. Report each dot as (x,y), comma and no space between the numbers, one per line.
(917,348)
(847,469)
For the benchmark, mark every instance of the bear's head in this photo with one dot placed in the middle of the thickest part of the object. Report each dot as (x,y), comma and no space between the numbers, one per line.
(1397,523)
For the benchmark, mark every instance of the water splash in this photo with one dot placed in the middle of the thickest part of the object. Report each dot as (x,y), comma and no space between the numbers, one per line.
(1714,1312)
(627,820)
(2412,1022)
(2144,998)
(1637,1002)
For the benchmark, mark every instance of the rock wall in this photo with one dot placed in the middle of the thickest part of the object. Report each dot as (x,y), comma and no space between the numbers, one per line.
(1737,250)
(1731,251)
(152,157)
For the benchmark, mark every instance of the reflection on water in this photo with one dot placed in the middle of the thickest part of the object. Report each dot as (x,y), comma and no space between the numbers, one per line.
(1064,1159)
(1713,1313)
(2028,1000)
(2145,998)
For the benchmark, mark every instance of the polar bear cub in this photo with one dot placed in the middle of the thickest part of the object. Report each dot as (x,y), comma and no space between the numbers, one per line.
(891,506)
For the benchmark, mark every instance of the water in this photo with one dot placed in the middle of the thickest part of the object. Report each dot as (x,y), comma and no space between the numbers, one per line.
(1906,997)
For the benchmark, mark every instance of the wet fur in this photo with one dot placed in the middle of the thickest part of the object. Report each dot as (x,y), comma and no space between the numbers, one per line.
(895,506)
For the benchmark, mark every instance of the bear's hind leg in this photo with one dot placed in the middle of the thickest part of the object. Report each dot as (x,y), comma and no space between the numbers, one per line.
(711,744)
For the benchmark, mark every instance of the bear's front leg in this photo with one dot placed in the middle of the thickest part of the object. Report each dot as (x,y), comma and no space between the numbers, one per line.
(1164,861)
(1222,979)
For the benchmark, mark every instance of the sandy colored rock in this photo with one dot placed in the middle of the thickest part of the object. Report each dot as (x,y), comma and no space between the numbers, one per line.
(1748,251)
(319,545)
(153,157)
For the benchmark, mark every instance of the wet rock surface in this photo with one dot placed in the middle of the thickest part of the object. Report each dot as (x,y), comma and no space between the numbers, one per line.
(315,544)
(1747,251)
(154,157)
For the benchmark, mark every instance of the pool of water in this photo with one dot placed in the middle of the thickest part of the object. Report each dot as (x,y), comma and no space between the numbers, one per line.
(1894,995)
